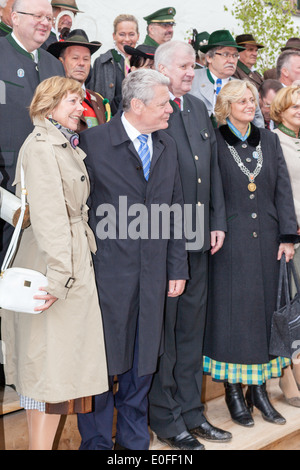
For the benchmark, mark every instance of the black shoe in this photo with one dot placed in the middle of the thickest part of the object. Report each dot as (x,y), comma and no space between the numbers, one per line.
(235,401)
(257,396)
(184,441)
(210,433)
(119,447)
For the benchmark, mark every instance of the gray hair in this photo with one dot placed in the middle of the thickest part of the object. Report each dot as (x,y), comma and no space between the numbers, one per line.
(17,5)
(284,60)
(164,54)
(140,85)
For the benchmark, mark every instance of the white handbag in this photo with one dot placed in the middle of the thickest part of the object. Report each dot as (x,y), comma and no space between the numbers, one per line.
(19,285)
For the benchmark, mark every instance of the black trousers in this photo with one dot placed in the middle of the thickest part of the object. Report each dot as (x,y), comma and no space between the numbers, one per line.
(175,396)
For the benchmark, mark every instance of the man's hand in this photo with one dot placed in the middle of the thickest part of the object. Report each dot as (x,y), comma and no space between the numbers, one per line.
(217,238)
(176,288)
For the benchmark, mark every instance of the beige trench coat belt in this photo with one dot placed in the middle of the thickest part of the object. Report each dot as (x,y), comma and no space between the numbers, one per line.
(83,217)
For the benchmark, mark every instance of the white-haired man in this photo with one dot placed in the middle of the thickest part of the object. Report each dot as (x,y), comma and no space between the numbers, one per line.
(133,163)
(176,410)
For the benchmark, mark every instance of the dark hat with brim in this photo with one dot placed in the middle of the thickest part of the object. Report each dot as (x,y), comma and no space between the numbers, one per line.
(77,37)
(292,43)
(142,51)
(244,39)
(66,5)
(222,38)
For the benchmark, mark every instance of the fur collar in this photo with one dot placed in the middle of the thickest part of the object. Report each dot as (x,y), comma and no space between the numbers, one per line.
(232,139)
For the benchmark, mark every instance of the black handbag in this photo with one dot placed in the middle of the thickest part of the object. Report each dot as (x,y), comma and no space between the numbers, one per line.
(285,331)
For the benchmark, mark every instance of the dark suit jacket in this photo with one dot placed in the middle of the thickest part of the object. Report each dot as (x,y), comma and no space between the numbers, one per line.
(198,163)
(132,273)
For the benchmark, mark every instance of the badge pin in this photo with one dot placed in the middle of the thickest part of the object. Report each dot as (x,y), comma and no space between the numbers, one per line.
(20,73)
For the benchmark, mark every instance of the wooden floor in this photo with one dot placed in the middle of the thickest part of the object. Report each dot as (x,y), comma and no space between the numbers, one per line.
(263,436)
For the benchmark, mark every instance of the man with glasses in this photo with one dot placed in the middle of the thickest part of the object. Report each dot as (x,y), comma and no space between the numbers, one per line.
(26,65)
(160,27)
(222,55)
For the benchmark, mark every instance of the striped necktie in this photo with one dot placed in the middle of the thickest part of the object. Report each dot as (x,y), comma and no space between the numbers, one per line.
(144,153)
(219,86)
(178,102)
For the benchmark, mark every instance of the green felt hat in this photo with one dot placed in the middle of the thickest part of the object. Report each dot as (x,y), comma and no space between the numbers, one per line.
(66,5)
(199,39)
(165,15)
(221,37)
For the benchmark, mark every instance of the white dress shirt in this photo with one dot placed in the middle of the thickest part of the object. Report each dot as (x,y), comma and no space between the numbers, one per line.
(133,134)
(35,52)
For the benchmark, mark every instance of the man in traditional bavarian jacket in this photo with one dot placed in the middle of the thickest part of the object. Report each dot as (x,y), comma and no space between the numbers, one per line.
(248,57)
(25,67)
(160,26)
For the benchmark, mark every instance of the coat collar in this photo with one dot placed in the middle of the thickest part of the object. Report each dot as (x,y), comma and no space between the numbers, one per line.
(118,136)
(232,139)
(54,136)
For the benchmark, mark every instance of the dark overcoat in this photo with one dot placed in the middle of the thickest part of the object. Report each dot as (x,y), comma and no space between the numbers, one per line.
(244,273)
(132,273)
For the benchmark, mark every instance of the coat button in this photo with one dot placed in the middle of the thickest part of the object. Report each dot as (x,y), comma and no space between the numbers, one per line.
(83,178)
(199,180)
(111,85)
(64,146)
(254,234)
(196,157)
(254,215)
(252,196)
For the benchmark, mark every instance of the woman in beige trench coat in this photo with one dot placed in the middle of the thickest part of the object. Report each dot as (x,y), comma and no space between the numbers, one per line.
(58,354)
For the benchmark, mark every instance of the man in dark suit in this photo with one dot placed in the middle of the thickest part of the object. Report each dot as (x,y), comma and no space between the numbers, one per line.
(26,65)
(133,266)
(176,411)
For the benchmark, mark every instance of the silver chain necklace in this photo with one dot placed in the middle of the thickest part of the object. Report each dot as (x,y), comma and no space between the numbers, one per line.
(244,169)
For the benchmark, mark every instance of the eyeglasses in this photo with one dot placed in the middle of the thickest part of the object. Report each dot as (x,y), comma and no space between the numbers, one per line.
(38,18)
(226,55)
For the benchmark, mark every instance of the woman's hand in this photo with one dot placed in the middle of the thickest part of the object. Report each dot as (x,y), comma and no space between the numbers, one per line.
(288,249)
(49,300)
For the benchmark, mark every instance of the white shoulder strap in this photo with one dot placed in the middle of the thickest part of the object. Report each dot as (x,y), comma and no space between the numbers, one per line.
(15,237)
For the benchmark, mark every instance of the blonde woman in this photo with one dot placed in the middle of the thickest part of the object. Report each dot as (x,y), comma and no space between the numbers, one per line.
(285,112)
(261,226)
(56,359)
(110,69)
